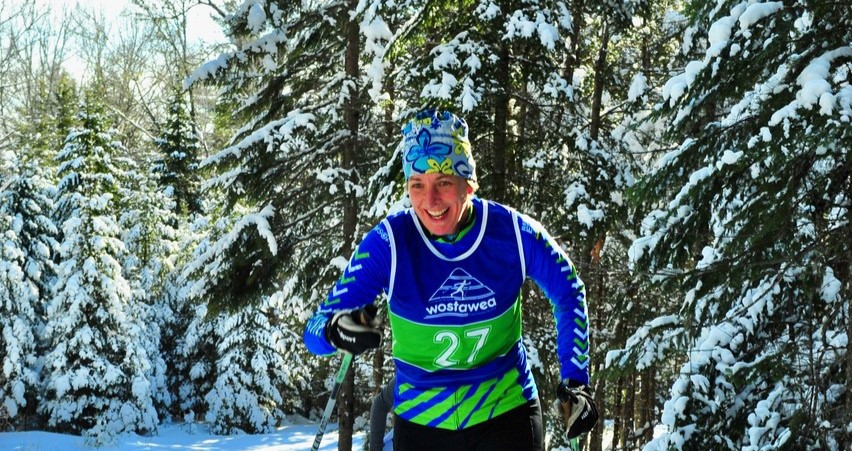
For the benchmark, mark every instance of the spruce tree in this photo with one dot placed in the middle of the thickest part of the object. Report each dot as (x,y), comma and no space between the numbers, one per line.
(616,52)
(246,395)
(177,168)
(44,126)
(31,202)
(288,90)
(19,378)
(96,372)
(193,369)
(298,91)
(151,242)
(27,245)
(189,341)
(173,329)
(750,220)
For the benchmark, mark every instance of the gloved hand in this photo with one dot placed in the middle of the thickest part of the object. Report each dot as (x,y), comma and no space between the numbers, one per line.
(578,409)
(355,331)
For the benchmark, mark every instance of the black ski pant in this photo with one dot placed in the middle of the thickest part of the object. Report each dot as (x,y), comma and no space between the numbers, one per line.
(519,429)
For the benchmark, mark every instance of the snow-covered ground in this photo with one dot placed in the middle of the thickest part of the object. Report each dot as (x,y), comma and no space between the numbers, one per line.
(182,438)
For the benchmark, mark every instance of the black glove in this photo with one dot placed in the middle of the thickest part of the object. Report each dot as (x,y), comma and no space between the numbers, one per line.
(355,331)
(577,407)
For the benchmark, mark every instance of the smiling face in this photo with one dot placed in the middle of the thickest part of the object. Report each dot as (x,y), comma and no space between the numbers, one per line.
(440,201)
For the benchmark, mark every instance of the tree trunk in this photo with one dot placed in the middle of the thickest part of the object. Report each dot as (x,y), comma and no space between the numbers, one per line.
(600,69)
(617,402)
(595,299)
(575,55)
(627,409)
(378,369)
(522,148)
(501,120)
(596,286)
(646,411)
(596,436)
(346,409)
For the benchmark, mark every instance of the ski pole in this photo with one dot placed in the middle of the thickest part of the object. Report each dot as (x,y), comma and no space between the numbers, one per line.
(329,407)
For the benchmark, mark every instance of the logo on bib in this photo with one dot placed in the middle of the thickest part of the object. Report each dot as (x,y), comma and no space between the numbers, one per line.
(460,295)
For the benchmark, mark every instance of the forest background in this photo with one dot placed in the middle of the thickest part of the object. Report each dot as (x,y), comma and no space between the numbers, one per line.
(173,215)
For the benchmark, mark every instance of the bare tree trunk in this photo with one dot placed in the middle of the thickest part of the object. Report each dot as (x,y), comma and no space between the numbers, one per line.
(501,120)
(627,412)
(378,369)
(596,295)
(617,406)
(597,245)
(521,149)
(596,436)
(600,70)
(646,411)
(574,56)
(346,410)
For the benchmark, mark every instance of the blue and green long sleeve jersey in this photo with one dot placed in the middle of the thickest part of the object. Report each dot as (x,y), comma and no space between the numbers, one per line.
(455,312)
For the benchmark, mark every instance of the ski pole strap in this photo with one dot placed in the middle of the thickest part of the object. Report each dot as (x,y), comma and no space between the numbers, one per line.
(332,399)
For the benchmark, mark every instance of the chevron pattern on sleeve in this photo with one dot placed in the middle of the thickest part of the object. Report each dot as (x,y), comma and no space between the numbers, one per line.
(346,278)
(580,357)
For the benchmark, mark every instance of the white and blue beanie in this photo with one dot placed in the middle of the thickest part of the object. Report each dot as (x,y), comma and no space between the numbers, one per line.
(437,142)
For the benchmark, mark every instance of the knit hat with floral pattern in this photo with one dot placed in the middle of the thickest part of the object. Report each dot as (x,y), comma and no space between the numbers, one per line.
(437,142)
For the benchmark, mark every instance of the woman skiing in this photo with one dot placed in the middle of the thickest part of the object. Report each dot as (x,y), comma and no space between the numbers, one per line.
(452,266)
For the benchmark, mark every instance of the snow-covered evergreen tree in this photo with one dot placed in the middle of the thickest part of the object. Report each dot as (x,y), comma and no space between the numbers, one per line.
(293,378)
(172,330)
(43,126)
(245,397)
(32,199)
(297,83)
(96,372)
(621,48)
(751,220)
(27,245)
(151,243)
(189,342)
(177,168)
(293,162)
(194,370)
(88,161)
